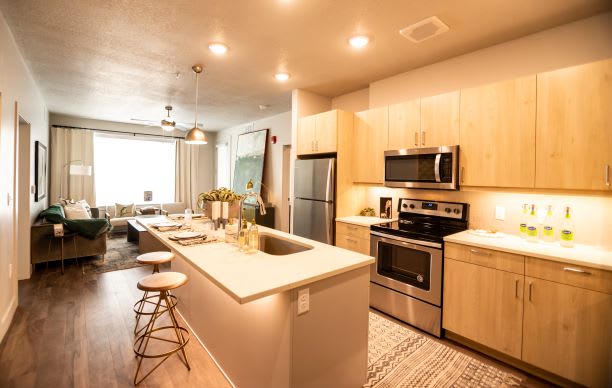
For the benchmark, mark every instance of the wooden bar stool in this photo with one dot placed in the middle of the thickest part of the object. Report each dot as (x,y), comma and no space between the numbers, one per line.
(155,259)
(162,283)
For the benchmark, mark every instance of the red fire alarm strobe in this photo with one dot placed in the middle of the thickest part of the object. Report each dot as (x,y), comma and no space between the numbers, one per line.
(273,139)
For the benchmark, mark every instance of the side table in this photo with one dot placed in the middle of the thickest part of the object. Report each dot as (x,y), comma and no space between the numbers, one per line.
(73,236)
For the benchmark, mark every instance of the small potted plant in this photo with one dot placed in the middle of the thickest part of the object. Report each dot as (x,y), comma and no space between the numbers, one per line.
(220,198)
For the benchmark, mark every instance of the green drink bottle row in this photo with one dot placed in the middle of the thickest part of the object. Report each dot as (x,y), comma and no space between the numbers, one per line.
(529,226)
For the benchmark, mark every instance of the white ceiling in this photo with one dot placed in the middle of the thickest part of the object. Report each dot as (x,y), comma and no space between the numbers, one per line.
(116,60)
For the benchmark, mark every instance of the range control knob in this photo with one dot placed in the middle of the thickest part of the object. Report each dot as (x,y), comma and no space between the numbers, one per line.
(412,205)
(456,211)
(448,210)
(404,205)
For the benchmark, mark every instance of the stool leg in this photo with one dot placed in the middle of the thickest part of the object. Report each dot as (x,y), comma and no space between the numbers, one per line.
(155,268)
(179,333)
(140,309)
(145,342)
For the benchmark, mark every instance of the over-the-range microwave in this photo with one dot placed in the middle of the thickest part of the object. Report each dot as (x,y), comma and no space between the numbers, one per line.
(423,168)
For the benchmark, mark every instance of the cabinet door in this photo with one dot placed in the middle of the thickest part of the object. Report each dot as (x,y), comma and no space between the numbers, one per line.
(355,244)
(404,125)
(484,305)
(306,135)
(370,140)
(574,127)
(326,130)
(497,134)
(567,331)
(440,120)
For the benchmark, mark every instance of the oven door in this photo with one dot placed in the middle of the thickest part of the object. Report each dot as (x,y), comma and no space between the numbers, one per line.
(407,266)
(426,168)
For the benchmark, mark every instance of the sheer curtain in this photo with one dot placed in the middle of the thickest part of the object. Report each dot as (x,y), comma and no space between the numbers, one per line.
(186,173)
(68,145)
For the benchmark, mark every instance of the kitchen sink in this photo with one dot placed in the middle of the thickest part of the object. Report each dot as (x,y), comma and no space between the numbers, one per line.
(280,246)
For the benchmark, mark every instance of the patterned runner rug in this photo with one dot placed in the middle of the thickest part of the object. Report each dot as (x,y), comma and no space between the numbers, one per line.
(400,357)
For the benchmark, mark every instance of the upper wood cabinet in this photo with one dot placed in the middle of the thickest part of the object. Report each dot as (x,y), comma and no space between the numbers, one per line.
(574,128)
(497,134)
(318,134)
(370,136)
(404,125)
(440,120)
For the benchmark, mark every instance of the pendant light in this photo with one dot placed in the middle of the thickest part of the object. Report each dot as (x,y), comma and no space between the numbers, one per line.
(195,134)
(167,124)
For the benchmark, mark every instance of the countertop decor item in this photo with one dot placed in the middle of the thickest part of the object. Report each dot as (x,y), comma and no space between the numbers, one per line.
(195,135)
(368,212)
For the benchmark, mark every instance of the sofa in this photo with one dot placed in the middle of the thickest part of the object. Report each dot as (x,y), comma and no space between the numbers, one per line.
(44,248)
(120,223)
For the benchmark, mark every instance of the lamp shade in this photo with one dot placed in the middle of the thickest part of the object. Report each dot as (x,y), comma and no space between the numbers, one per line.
(195,136)
(76,169)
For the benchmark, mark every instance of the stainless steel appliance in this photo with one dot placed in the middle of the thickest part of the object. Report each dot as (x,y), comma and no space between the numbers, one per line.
(423,168)
(406,279)
(314,193)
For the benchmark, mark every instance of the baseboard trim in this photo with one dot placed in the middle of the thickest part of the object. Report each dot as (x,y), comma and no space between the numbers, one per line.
(7,317)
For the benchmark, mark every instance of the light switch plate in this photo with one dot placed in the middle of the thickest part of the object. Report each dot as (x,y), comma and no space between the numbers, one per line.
(303,301)
(500,213)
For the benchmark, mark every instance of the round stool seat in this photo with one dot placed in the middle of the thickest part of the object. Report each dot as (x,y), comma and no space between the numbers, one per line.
(162,281)
(155,257)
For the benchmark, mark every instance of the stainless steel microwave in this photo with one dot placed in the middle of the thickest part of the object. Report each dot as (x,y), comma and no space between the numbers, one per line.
(423,168)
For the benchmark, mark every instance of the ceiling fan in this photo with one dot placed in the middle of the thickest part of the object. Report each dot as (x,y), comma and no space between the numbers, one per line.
(166,123)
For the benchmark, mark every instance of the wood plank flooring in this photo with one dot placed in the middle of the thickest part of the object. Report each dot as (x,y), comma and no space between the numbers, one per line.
(76,330)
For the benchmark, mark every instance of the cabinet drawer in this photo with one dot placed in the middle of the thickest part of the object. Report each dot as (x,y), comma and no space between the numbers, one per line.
(353,230)
(354,244)
(486,257)
(570,274)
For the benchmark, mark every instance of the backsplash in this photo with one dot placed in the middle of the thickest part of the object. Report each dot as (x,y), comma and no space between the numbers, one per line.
(592,214)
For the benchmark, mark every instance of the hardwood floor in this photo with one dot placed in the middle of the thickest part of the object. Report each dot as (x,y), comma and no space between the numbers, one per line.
(76,330)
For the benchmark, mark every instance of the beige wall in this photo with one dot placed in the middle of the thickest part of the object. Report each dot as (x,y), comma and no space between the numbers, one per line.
(206,154)
(16,86)
(279,126)
(575,43)
(353,102)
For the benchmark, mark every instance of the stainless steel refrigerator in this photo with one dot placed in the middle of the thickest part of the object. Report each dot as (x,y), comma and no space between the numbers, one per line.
(314,194)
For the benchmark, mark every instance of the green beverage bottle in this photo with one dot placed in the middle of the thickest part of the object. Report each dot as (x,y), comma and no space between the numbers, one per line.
(524,218)
(567,230)
(548,231)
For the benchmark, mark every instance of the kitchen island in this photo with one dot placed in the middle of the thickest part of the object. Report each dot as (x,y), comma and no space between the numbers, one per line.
(243,308)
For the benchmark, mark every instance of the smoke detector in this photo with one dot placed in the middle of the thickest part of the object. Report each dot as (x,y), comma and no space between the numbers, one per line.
(423,30)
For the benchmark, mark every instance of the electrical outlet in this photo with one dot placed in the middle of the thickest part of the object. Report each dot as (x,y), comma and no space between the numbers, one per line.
(303,301)
(10,271)
(500,213)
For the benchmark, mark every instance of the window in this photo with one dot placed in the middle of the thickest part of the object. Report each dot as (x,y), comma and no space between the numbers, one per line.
(223,165)
(127,166)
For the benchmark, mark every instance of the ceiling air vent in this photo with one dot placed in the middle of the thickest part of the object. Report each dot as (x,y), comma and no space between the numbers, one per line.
(425,29)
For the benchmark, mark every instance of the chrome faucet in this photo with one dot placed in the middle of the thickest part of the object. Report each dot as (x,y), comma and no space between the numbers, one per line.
(260,202)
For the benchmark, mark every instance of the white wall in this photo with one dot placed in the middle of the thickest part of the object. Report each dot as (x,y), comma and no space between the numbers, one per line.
(279,126)
(16,86)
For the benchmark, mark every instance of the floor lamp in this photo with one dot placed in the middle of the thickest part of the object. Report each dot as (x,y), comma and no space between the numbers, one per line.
(73,169)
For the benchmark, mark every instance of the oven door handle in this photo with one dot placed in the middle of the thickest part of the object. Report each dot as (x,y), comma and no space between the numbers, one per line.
(406,241)
(437,167)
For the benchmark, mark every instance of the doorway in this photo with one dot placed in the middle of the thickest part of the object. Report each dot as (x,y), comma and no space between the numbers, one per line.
(286,205)
(22,184)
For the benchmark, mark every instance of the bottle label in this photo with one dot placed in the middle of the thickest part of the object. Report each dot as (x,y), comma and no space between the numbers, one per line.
(548,231)
(523,228)
(567,235)
(532,231)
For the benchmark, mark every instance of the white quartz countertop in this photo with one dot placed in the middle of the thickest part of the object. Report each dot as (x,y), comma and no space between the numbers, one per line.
(365,221)
(586,255)
(250,276)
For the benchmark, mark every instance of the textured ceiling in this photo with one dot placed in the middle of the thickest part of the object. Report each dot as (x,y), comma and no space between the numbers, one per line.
(117,59)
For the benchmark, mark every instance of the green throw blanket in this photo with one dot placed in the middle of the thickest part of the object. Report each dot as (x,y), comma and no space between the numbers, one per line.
(90,228)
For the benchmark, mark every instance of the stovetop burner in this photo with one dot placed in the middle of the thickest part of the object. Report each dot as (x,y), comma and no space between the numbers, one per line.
(426,220)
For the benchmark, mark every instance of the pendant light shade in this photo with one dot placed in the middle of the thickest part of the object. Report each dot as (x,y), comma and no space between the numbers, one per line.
(195,134)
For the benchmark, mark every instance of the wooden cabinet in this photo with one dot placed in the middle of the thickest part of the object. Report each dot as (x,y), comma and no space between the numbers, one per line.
(574,128)
(353,237)
(404,125)
(440,120)
(497,134)
(318,134)
(484,305)
(370,134)
(567,331)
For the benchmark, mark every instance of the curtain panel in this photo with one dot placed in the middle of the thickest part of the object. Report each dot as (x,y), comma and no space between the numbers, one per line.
(71,146)
(186,174)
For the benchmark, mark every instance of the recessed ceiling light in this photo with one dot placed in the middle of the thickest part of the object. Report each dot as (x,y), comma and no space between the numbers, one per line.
(359,41)
(217,48)
(282,76)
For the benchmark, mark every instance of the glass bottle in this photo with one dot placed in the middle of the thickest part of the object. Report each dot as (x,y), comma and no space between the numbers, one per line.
(567,230)
(532,225)
(548,230)
(243,236)
(524,219)
(253,237)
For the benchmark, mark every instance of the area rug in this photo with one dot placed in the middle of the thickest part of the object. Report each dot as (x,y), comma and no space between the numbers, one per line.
(120,254)
(400,357)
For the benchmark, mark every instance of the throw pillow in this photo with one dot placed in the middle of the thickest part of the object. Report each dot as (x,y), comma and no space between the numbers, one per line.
(85,205)
(124,210)
(76,212)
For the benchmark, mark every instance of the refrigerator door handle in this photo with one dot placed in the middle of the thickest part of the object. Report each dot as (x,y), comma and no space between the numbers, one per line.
(329,224)
(329,189)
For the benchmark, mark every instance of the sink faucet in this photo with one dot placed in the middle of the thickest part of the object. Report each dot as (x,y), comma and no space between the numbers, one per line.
(249,194)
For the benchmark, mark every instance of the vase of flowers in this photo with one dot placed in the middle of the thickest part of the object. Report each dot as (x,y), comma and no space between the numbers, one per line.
(220,199)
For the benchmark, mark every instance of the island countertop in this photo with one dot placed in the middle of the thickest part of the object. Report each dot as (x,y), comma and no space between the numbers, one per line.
(250,276)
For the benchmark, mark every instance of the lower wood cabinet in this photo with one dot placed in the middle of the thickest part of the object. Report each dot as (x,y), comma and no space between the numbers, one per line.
(353,237)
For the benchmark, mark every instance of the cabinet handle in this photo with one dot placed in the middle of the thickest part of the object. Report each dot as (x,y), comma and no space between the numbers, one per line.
(576,270)
(516,284)
(462,173)
(351,240)
(416,138)
(474,251)
(607,175)
(530,286)
(423,137)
